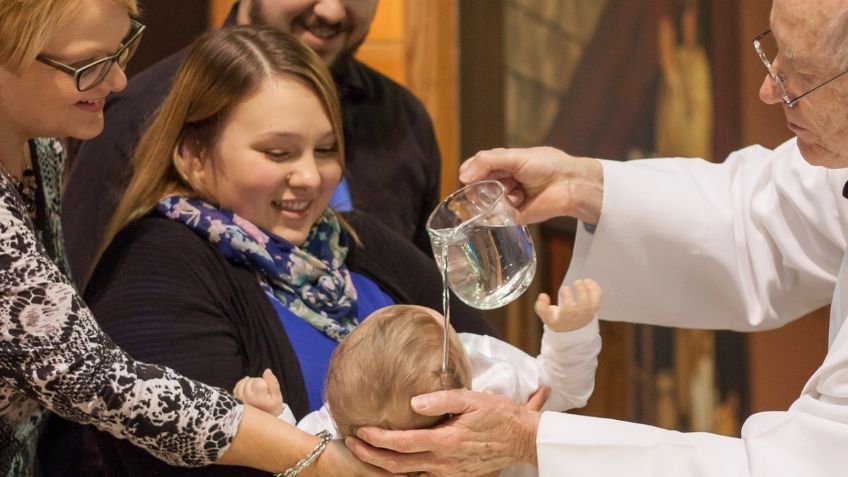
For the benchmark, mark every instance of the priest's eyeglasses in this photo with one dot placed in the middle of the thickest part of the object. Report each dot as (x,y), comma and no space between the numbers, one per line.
(767,50)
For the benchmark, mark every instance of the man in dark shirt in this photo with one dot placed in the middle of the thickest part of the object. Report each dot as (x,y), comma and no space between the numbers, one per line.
(392,159)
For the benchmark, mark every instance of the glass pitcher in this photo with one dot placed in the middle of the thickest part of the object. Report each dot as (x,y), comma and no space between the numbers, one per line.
(489,260)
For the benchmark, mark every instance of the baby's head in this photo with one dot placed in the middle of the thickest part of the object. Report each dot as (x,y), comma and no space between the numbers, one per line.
(395,354)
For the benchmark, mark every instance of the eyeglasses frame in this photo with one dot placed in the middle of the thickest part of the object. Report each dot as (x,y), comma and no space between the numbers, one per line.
(777,80)
(113,58)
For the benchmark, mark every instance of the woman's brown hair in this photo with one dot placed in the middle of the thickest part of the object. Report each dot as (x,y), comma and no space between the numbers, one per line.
(220,71)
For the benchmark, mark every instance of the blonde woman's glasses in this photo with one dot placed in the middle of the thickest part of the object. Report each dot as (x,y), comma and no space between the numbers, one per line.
(92,74)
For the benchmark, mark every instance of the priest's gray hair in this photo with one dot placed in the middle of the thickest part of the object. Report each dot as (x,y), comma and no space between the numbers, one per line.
(836,36)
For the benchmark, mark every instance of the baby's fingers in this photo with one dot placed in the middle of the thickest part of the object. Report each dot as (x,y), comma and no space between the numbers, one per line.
(239,388)
(273,384)
(565,297)
(543,301)
(587,292)
(544,309)
(257,387)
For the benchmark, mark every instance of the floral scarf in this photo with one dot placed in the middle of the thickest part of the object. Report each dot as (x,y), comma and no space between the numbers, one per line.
(311,280)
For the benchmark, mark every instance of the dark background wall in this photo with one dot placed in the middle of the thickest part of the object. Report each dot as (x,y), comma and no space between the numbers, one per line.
(171,25)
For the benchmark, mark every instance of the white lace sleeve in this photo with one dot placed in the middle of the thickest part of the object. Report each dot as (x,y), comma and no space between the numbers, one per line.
(53,354)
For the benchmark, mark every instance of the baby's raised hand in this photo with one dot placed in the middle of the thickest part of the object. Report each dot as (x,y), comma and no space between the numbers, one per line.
(263,393)
(574,310)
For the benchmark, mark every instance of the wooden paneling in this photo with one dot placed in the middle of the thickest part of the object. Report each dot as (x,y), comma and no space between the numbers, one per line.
(385,57)
(761,123)
(432,74)
(384,48)
(218,10)
(782,360)
(388,22)
(482,75)
(482,117)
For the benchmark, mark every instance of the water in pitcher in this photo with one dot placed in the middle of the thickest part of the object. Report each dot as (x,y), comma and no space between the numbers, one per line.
(486,266)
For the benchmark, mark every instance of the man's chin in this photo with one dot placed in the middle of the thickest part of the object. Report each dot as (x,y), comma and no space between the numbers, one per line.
(337,64)
(330,58)
(341,57)
(327,53)
(334,54)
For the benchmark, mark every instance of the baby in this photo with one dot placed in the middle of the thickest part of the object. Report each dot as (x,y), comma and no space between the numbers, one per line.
(396,353)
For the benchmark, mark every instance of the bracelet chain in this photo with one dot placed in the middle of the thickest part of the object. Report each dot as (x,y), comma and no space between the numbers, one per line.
(325,438)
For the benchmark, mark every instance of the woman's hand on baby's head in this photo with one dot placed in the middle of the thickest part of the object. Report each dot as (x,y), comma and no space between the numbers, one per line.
(262,393)
(576,306)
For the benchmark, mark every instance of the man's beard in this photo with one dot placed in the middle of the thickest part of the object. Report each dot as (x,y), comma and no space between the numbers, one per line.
(255,15)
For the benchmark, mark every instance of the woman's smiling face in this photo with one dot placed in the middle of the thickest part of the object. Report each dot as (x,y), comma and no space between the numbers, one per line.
(43,101)
(276,159)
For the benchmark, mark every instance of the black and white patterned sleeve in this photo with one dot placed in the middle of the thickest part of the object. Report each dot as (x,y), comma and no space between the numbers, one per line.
(52,352)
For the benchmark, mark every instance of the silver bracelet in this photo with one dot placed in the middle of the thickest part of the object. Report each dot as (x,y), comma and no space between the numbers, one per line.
(325,438)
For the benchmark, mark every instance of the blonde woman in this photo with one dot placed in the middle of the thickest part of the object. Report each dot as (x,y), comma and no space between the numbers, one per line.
(59,59)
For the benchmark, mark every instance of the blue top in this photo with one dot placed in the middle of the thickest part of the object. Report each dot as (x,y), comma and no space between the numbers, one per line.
(313,348)
(341,200)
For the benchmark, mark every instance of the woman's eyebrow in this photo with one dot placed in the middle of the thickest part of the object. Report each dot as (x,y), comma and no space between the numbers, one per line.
(93,54)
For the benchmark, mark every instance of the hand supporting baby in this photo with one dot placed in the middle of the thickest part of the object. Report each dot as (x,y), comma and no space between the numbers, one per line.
(574,309)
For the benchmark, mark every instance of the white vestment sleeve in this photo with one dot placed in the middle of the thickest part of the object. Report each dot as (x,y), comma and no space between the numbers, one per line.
(579,446)
(749,244)
(809,439)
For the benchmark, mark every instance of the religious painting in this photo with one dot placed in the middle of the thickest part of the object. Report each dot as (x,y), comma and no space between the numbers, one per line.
(625,79)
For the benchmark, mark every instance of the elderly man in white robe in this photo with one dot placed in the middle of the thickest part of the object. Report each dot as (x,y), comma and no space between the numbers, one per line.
(750,244)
